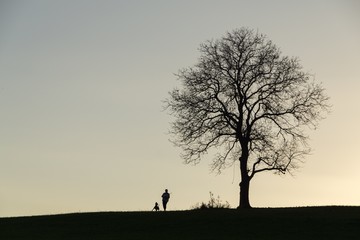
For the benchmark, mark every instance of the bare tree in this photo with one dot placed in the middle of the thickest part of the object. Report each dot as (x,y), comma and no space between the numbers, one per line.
(248,102)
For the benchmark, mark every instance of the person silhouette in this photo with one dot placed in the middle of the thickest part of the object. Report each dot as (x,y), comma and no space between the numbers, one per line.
(165,198)
(156,207)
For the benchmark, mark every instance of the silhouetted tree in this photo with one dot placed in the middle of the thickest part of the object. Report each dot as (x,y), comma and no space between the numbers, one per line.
(249,103)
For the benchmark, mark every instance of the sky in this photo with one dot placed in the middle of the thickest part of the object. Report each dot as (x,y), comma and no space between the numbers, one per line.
(82,84)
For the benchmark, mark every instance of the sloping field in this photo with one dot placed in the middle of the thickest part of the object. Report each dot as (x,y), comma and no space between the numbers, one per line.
(271,223)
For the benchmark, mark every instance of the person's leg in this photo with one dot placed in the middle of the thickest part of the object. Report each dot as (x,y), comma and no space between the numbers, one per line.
(164,205)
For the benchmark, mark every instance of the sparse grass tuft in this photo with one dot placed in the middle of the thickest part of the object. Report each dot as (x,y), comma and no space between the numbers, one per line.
(213,203)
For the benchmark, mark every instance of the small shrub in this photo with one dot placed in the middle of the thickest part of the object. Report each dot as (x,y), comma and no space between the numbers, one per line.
(213,203)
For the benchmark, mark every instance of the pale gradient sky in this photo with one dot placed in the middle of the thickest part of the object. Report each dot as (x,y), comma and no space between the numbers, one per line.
(81,90)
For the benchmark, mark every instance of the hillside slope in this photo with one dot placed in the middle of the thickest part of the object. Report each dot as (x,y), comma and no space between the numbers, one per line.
(272,223)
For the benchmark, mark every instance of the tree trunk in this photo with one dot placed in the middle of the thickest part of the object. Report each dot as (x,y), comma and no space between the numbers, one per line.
(244,194)
(245,179)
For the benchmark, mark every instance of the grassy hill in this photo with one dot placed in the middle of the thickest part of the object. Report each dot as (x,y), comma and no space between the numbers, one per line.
(271,223)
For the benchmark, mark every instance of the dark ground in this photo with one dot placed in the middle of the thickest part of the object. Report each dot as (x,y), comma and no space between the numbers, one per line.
(270,223)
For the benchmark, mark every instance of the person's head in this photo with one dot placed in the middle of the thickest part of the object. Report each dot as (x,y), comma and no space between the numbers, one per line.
(166,190)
